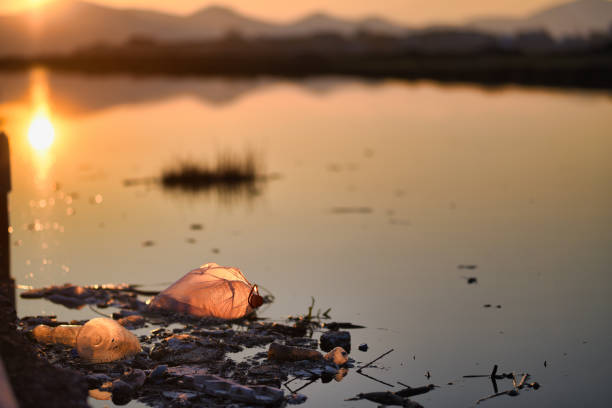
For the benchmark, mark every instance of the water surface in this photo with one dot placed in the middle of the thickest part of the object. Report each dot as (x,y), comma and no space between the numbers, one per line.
(384,189)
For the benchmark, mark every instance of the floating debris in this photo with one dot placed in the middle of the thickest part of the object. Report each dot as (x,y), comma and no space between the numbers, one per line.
(210,291)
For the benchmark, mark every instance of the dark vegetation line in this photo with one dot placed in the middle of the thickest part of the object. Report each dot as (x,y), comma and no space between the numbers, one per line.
(445,57)
(230,172)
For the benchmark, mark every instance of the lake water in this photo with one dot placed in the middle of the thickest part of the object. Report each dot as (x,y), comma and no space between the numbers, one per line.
(383,190)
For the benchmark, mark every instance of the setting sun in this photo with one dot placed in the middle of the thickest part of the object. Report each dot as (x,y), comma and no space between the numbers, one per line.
(41,133)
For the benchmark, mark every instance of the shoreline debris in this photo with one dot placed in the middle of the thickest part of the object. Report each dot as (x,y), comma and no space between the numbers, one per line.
(210,291)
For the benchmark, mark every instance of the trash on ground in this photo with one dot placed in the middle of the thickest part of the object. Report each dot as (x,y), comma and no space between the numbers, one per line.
(210,291)
(281,352)
(102,340)
(62,334)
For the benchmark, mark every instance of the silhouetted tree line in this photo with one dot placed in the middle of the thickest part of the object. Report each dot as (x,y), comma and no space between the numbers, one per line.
(442,54)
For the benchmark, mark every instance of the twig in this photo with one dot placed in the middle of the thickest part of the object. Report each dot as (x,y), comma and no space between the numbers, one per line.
(98,312)
(375,379)
(492,396)
(373,361)
(494,372)
(522,382)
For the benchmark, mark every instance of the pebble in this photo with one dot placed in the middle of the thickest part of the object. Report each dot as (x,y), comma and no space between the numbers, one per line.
(122,392)
(296,399)
(158,374)
(363,347)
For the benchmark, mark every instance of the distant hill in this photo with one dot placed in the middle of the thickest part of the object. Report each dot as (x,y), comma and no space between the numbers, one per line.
(65,25)
(577,18)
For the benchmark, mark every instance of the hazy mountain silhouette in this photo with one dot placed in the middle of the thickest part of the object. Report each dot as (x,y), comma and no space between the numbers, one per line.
(577,18)
(65,25)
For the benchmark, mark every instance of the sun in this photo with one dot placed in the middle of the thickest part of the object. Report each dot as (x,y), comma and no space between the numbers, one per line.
(41,133)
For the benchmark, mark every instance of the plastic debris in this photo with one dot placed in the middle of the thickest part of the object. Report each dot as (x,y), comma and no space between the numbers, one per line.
(102,340)
(281,352)
(210,291)
(338,356)
(63,334)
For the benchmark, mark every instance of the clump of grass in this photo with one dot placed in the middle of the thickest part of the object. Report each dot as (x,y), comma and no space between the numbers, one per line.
(230,172)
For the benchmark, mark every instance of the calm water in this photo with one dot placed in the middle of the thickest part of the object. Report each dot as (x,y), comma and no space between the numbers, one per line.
(384,189)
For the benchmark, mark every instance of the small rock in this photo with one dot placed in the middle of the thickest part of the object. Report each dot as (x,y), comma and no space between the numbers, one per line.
(158,374)
(332,339)
(96,380)
(363,347)
(122,392)
(132,322)
(296,399)
(134,377)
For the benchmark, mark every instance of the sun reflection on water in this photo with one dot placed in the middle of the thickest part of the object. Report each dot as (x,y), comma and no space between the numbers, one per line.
(41,131)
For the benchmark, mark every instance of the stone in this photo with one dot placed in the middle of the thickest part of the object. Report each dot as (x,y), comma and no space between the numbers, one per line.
(122,392)
(332,339)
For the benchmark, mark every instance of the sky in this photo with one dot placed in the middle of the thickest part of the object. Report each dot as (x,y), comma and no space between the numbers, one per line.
(408,11)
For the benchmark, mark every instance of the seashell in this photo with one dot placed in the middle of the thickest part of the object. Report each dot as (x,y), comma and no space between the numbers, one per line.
(102,340)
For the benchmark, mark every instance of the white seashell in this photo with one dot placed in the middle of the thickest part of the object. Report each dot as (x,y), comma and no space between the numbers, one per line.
(102,340)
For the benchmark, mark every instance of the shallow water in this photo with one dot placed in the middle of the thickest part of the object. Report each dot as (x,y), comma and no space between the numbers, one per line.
(385,188)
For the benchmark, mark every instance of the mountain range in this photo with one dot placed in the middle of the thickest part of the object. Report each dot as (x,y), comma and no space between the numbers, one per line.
(65,25)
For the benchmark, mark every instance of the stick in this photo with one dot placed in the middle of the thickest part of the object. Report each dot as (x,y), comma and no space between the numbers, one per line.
(492,396)
(522,382)
(373,361)
(375,379)
(494,372)
(403,385)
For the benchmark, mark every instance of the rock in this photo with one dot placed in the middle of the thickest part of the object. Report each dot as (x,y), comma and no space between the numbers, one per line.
(96,380)
(363,347)
(296,399)
(134,377)
(122,392)
(132,321)
(338,356)
(158,374)
(332,339)
(219,387)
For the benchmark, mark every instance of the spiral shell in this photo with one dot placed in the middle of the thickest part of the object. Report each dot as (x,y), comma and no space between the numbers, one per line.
(102,340)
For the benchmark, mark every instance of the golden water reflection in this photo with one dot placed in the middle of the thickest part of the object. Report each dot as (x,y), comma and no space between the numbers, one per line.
(41,131)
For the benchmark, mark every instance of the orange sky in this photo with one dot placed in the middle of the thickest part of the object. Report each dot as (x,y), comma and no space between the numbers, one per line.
(409,11)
